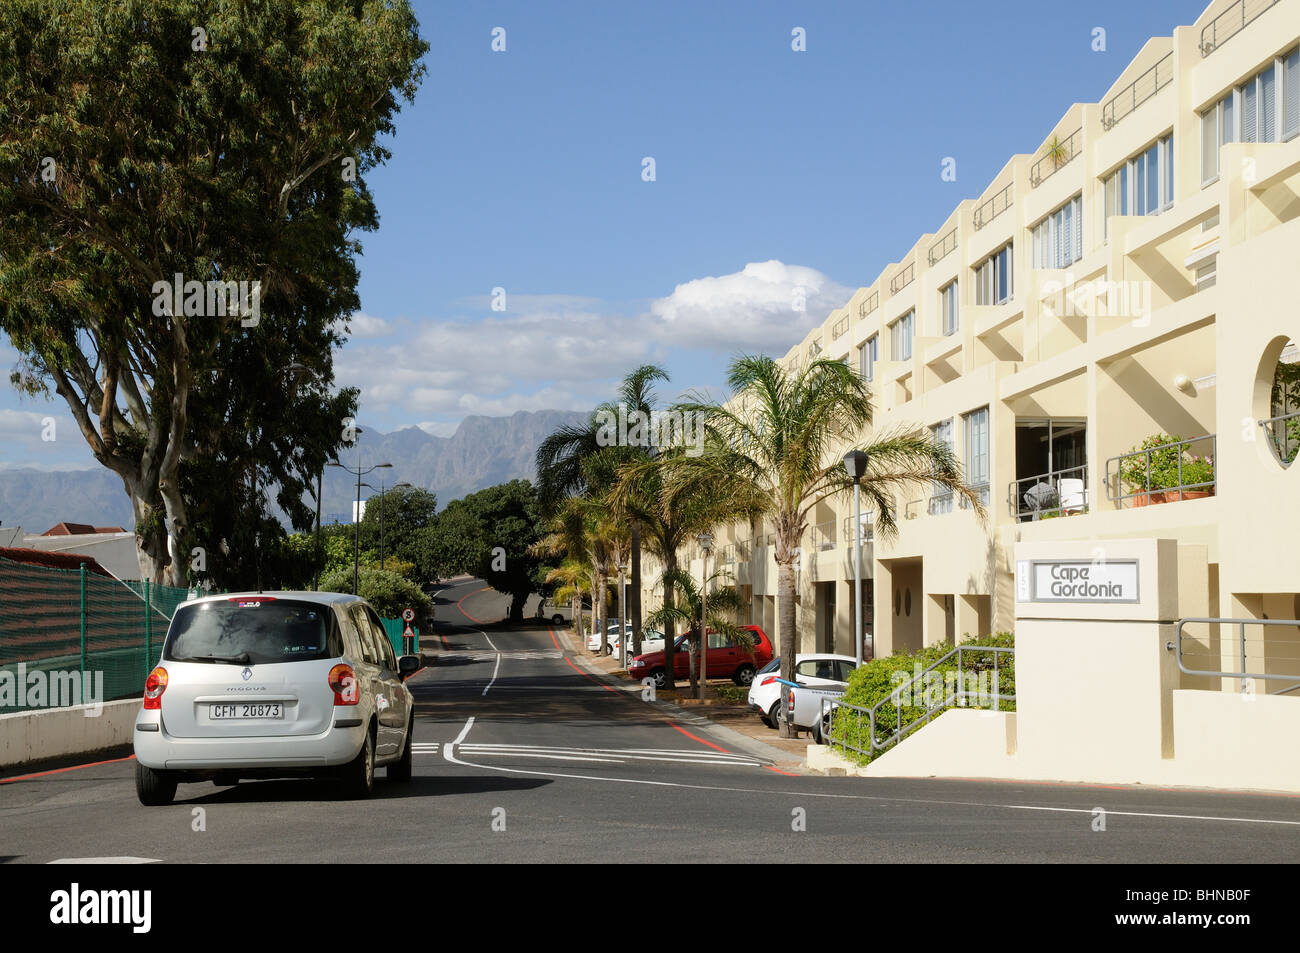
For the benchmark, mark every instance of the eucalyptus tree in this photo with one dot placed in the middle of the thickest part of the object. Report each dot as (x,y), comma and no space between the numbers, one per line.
(181,184)
(774,448)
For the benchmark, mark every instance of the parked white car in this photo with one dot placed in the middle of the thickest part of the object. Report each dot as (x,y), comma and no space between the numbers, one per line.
(652,640)
(273,685)
(813,670)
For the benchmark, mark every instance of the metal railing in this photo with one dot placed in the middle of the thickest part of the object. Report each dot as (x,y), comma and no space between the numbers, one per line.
(1231,22)
(959,687)
(940,502)
(814,350)
(1240,654)
(869,304)
(840,326)
(847,531)
(904,278)
(823,536)
(994,207)
(1057,493)
(1056,159)
(1139,91)
(944,246)
(981,491)
(1162,474)
(1283,441)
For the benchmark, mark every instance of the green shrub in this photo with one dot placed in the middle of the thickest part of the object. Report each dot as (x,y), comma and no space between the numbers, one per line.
(1163,471)
(388,592)
(879,678)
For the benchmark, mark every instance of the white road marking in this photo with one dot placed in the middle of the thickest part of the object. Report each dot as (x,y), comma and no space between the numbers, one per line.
(464,731)
(495,669)
(106,860)
(451,756)
(489,640)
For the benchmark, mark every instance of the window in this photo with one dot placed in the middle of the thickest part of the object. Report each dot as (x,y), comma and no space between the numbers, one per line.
(382,642)
(1058,239)
(365,637)
(1144,185)
(941,496)
(1253,112)
(993,277)
(900,338)
(868,353)
(976,435)
(948,307)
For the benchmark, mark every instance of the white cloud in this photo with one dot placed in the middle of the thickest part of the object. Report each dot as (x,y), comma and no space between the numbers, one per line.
(766,306)
(364,326)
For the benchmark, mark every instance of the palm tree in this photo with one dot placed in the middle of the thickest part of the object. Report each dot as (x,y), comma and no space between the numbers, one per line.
(774,448)
(572,577)
(687,607)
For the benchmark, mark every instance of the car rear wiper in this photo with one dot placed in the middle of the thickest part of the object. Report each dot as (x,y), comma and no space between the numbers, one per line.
(240,659)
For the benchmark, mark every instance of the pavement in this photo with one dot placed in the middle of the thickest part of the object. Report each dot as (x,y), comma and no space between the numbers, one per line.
(524,753)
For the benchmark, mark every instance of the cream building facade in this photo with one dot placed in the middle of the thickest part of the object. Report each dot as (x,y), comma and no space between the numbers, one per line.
(1138,274)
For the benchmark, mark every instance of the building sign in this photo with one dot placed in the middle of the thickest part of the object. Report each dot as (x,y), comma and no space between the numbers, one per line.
(1077,580)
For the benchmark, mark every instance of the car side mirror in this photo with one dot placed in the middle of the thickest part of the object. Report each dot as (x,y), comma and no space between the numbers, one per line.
(408,665)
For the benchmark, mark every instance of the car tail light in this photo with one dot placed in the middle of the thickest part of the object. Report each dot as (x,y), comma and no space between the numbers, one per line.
(791,705)
(154,686)
(344,683)
(768,681)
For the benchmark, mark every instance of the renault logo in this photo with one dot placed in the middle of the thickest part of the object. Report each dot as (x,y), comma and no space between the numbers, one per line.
(247,673)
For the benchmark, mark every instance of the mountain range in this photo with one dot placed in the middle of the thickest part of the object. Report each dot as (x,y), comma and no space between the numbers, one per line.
(482,452)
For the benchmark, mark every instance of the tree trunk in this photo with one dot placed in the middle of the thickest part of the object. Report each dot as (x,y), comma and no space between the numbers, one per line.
(694,644)
(670,635)
(604,611)
(635,600)
(622,624)
(785,625)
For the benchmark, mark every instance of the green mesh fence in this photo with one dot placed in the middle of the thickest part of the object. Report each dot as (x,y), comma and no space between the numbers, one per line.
(68,636)
(394,629)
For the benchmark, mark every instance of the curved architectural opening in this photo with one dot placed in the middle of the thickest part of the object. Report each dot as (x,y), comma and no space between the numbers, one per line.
(1277,400)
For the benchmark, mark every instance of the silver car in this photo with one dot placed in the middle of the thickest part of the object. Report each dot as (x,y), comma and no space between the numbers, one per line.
(273,685)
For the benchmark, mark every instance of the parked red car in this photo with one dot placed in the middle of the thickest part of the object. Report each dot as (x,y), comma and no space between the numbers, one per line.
(726,658)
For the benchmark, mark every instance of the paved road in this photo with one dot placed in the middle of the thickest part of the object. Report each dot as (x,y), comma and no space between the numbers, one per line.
(524,756)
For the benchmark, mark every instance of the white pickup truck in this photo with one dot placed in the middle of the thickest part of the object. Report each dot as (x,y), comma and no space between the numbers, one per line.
(805,706)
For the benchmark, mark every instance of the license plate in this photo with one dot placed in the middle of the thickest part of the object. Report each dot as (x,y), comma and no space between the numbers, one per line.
(240,710)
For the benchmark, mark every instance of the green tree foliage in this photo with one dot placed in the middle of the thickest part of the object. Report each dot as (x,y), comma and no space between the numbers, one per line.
(403,513)
(224,142)
(387,591)
(491,534)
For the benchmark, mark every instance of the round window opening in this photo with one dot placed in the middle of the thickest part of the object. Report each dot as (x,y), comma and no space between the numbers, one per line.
(907,602)
(898,602)
(1277,400)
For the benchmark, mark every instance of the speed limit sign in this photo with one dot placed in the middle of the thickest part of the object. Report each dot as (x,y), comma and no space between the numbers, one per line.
(408,615)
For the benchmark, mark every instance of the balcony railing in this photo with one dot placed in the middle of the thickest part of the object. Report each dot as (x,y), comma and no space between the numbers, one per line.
(1166,473)
(1139,91)
(1056,159)
(994,207)
(847,530)
(902,279)
(940,249)
(869,304)
(1047,495)
(814,350)
(1231,22)
(1283,436)
(823,536)
(840,327)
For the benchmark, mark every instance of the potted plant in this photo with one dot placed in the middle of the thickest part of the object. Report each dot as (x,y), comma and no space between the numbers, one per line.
(1163,463)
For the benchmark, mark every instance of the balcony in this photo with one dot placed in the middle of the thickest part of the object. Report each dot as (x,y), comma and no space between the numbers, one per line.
(869,304)
(1049,495)
(840,326)
(994,207)
(1059,154)
(1231,22)
(1123,103)
(847,528)
(823,536)
(1283,435)
(1164,471)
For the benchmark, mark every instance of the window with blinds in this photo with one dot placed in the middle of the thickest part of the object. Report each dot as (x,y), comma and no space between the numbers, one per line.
(1144,185)
(867,355)
(994,277)
(975,427)
(1265,108)
(948,308)
(900,337)
(1058,239)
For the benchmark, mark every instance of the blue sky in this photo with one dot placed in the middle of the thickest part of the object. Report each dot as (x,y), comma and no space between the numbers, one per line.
(522,170)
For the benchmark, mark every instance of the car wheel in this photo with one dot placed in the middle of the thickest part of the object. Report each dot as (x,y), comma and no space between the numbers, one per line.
(660,676)
(154,788)
(401,770)
(557,619)
(744,675)
(773,717)
(358,779)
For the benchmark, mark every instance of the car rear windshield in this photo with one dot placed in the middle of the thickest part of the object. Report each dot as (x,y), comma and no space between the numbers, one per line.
(771,666)
(249,631)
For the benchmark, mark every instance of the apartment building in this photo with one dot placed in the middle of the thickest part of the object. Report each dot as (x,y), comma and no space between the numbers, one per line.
(1135,278)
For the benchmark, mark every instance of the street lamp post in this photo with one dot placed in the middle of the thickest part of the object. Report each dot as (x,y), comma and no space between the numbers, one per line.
(855,463)
(356,519)
(706,545)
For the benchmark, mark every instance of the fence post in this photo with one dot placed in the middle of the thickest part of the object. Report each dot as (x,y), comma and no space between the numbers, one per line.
(83,633)
(148,629)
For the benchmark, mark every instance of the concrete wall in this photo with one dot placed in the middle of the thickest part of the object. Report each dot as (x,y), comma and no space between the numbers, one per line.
(59,732)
